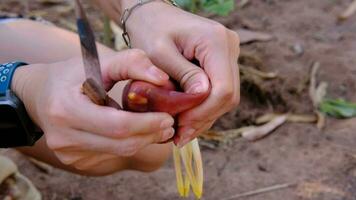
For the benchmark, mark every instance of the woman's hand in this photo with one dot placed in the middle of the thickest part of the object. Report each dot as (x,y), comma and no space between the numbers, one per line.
(172,38)
(84,135)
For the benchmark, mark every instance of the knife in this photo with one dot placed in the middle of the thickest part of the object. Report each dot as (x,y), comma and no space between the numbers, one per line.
(93,86)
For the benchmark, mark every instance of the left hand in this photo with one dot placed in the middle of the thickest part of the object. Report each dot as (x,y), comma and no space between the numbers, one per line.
(172,38)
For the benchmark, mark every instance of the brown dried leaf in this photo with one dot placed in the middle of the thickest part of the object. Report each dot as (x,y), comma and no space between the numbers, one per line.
(7,168)
(247,36)
(296,118)
(41,166)
(256,72)
(51,2)
(321,120)
(224,136)
(311,190)
(259,132)
(351,9)
(119,41)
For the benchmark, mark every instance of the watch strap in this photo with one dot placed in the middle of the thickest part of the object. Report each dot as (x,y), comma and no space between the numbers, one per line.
(7,71)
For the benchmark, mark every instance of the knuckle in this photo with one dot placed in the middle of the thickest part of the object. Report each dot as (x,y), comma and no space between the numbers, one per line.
(119,130)
(226,93)
(219,29)
(136,54)
(53,142)
(157,48)
(235,101)
(235,37)
(56,111)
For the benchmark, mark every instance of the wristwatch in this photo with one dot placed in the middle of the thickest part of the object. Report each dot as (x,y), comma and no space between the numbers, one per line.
(16,127)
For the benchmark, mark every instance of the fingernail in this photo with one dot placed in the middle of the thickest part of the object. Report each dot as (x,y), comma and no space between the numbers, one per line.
(167,123)
(188,134)
(156,73)
(167,134)
(196,88)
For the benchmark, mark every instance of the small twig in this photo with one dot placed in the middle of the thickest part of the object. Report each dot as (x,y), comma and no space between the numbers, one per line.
(261,74)
(296,118)
(321,120)
(351,9)
(41,166)
(261,191)
(312,87)
(259,132)
(317,94)
(107,32)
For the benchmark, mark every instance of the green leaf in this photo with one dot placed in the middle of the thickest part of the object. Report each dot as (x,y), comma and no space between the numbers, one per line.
(338,108)
(220,7)
(184,3)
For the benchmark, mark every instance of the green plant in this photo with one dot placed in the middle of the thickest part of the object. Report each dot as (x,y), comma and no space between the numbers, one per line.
(219,7)
(338,108)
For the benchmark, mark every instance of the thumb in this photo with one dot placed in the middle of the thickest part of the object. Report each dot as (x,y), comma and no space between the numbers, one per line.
(132,64)
(191,77)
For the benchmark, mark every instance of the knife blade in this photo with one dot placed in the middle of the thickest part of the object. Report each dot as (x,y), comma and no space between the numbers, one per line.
(93,86)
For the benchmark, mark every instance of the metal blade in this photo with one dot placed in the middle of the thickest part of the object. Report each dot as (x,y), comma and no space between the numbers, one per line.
(89,51)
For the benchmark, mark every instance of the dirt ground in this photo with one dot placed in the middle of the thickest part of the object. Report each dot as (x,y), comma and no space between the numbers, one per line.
(322,164)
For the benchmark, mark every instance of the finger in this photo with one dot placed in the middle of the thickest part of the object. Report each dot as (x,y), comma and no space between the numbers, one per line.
(187,133)
(218,64)
(192,133)
(132,64)
(191,77)
(80,113)
(79,141)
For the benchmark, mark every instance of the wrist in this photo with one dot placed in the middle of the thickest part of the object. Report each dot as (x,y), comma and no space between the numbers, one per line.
(27,83)
(144,15)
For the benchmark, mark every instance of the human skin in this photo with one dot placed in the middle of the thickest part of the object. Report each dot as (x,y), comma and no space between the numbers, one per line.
(172,38)
(80,136)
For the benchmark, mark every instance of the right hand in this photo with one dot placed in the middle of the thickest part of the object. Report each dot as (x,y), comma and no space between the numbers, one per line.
(80,133)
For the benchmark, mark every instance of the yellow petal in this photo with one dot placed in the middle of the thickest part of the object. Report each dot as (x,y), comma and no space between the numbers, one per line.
(178,169)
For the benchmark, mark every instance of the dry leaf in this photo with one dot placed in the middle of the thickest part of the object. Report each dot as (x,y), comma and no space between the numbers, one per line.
(317,94)
(224,136)
(19,186)
(41,165)
(119,42)
(351,9)
(321,120)
(7,168)
(51,2)
(296,118)
(265,75)
(259,132)
(68,24)
(247,36)
(311,190)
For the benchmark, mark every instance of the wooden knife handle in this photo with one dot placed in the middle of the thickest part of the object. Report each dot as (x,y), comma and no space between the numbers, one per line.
(98,95)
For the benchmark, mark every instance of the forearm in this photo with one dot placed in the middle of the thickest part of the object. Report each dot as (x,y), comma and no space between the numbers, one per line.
(34,42)
(115,8)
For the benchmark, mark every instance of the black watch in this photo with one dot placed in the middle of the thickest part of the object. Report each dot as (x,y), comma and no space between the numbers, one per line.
(16,127)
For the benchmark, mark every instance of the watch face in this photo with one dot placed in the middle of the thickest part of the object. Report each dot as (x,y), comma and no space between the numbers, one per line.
(11,128)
